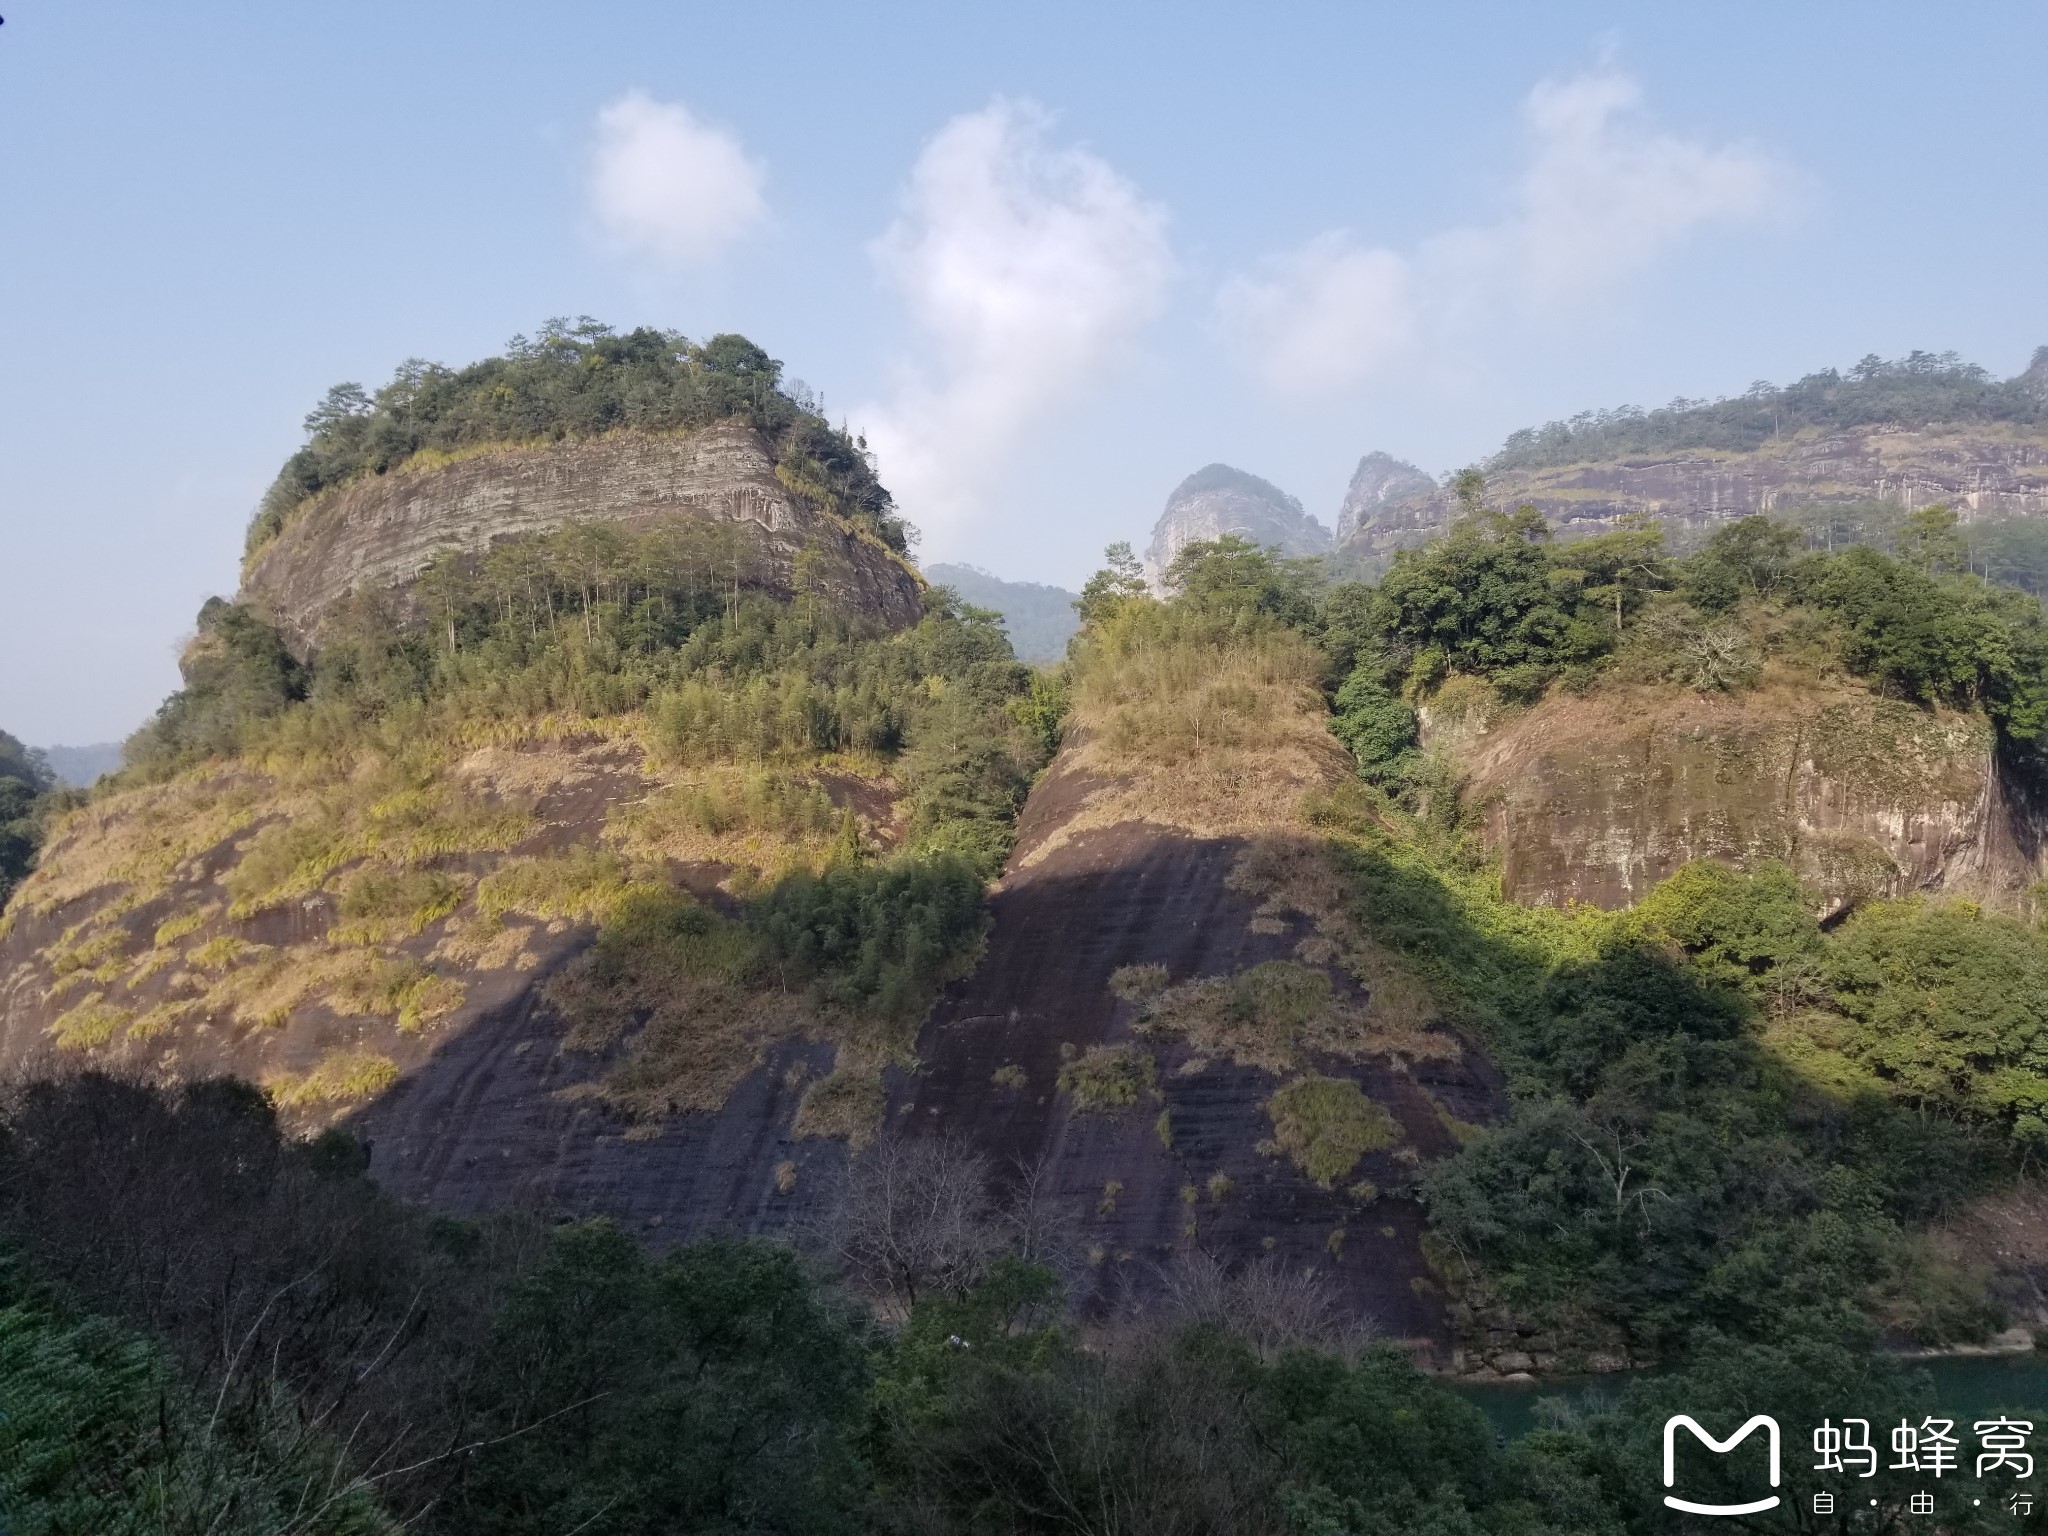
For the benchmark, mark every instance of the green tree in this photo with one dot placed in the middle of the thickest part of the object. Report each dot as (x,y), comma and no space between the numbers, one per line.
(1120,579)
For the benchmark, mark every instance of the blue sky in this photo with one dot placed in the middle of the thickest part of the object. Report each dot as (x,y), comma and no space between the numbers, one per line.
(1051,258)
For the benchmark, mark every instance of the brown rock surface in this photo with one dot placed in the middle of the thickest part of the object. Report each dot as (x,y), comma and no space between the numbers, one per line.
(1985,472)
(382,531)
(484,1122)
(1596,799)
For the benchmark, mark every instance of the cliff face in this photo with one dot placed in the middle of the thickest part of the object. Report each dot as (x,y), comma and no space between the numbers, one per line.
(1984,472)
(1219,500)
(1595,800)
(1380,482)
(381,532)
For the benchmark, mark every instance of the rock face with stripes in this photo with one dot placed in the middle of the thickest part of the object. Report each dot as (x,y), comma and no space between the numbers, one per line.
(382,531)
(1986,473)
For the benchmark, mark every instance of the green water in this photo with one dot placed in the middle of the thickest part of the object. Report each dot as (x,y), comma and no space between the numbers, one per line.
(1964,1387)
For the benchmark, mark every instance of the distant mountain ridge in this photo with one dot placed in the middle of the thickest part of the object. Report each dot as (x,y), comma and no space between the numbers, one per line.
(1218,500)
(1040,619)
(80,767)
(1909,433)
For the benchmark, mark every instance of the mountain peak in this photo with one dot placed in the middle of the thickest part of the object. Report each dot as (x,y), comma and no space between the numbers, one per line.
(1380,480)
(1217,500)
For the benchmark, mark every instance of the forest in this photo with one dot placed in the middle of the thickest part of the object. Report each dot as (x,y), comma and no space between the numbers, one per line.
(1732,1133)
(1917,390)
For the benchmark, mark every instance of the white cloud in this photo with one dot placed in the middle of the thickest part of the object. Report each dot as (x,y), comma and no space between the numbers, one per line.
(1324,313)
(1603,195)
(1028,269)
(668,187)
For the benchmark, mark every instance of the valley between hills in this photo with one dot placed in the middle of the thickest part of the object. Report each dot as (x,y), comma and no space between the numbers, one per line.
(604,954)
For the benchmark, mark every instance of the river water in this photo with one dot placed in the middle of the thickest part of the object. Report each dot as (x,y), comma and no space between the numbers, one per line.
(1965,1387)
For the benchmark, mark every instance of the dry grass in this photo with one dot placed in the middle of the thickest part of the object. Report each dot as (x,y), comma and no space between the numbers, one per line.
(1297,875)
(142,839)
(1109,1079)
(92,1024)
(583,884)
(341,1077)
(486,943)
(847,1104)
(769,820)
(1274,1015)
(1325,1125)
(1219,736)
(184,924)
(380,904)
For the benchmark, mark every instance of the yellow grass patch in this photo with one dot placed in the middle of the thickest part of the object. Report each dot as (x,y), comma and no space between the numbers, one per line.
(1216,735)
(341,1077)
(91,1024)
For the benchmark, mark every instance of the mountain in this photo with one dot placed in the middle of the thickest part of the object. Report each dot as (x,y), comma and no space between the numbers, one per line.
(81,766)
(1381,480)
(380,532)
(1219,500)
(1040,619)
(1832,452)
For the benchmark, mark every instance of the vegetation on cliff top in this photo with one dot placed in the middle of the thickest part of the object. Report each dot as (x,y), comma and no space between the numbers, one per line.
(1495,599)
(579,380)
(1918,390)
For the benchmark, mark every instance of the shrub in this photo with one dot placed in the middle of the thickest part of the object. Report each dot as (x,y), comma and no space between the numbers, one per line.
(1324,1125)
(1108,1078)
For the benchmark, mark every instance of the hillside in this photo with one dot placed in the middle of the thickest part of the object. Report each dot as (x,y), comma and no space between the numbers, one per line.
(1133,1041)
(1842,456)
(1039,619)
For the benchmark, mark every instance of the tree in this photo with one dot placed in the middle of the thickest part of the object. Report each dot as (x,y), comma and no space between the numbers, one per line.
(1120,579)
(1928,540)
(917,1219)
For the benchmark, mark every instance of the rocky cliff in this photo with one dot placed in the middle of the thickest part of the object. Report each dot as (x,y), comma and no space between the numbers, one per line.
(381,531)
(1596,799)
(1380,482)
(1219,500)
(1985,472)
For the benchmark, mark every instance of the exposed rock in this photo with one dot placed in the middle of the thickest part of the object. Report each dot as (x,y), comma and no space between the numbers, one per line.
(1985,472)
(1380,483)
(1220,500)
(1596,799)
(382,531)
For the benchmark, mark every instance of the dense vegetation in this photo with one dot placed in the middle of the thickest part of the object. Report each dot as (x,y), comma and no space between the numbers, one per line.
(1038,618)
(593,623)
(579,380)
(25,782)
(1913,391)
(1496,599)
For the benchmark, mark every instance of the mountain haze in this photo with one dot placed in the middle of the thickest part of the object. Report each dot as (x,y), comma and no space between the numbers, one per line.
(1830,452)
(1216,501)
(1039,619)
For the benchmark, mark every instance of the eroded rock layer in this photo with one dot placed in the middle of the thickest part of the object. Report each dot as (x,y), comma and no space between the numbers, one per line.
(1985,472)
(1596,800)
(382,531)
